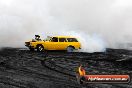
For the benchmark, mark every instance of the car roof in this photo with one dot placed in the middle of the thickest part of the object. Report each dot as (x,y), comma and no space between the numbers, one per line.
(64,36)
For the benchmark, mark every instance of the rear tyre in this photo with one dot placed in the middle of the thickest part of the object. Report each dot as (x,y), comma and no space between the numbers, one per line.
(70,49)
(40,48)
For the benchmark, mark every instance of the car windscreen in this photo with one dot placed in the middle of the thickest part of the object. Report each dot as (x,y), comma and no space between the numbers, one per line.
(54,39)
(72,40)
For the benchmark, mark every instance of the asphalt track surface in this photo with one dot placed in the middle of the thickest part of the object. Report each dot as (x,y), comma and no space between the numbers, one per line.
(21,68)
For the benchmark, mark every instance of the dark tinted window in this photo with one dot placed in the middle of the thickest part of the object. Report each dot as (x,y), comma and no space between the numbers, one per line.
(54,39)
(62,39)
(72,40)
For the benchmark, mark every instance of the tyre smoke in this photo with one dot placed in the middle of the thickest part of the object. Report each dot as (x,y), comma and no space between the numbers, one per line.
(97,23)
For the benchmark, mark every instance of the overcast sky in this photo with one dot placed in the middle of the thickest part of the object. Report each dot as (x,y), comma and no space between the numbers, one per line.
(105,21)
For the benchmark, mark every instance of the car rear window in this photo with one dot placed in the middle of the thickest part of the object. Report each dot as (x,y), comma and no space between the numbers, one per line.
(62,39)
(72,40)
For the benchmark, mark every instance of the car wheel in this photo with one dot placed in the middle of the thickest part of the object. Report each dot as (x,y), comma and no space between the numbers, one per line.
(40,48)
(70,49)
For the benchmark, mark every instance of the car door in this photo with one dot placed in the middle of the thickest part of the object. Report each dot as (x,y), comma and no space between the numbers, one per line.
(62,43)
(52,44)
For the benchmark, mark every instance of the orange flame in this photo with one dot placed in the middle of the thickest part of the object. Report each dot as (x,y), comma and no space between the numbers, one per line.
(81,71)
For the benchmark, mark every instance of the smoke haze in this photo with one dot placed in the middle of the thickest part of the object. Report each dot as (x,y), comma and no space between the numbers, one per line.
(97,23)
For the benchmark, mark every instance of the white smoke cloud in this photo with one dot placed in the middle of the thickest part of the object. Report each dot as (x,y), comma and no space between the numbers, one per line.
(104,23)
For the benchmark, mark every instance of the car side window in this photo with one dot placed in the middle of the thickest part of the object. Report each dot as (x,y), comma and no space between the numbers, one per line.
(54,39)
(72,40)
(62,39)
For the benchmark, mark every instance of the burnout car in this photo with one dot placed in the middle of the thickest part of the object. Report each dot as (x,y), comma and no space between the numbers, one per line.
(67,43)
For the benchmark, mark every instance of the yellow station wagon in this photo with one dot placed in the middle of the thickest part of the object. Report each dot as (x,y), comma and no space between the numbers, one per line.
(54,43)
